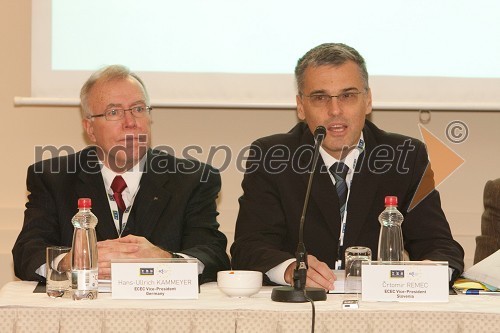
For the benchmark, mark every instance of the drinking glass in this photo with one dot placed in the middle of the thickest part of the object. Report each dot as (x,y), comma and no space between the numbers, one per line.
(58,275)
(354,257)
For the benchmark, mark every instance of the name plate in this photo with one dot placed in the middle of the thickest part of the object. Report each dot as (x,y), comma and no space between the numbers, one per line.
(405,281)
(154,278)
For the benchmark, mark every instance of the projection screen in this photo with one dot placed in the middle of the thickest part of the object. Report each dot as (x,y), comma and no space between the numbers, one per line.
(241,54)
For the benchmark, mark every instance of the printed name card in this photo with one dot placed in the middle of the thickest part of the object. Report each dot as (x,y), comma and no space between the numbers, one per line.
(154,278)
(405,281)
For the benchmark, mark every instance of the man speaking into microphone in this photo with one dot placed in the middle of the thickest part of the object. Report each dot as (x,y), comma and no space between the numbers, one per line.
(359,164)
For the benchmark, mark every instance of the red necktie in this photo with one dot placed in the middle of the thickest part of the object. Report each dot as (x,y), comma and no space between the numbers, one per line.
(118,186)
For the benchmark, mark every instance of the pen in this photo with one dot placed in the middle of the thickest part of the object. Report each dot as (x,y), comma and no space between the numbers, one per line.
(481,292)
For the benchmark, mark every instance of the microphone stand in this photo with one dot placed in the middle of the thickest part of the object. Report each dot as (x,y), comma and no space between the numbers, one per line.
(297,293)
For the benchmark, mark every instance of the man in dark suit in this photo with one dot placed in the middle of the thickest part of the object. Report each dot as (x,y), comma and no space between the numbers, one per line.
(333,92)
(166,210)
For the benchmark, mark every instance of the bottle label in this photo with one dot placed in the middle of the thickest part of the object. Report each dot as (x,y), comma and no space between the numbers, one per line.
(85,279)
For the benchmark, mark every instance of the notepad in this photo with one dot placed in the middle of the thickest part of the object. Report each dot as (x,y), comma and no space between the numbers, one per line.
(486,271)
(339,283)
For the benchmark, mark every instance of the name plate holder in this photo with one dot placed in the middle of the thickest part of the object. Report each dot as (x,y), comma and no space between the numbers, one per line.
(405,281)
(173,278)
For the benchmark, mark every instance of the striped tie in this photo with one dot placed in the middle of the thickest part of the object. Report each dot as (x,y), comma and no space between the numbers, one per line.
(339,171)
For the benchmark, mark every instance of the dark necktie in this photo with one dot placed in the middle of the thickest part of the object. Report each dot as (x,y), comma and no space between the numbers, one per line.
(118,185)
(339,171)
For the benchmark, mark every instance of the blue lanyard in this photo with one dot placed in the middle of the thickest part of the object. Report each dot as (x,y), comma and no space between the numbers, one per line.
(338,264)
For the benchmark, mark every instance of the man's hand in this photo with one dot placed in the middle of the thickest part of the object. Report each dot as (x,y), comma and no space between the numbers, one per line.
(128,247)
(65,263)
(318,275)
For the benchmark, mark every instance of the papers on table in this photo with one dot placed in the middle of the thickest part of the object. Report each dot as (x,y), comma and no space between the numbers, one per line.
(487,271)
(339,283)
(466,284)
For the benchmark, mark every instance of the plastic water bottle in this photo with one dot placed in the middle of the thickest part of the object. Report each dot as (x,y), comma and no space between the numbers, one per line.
(390,242)
(84,267)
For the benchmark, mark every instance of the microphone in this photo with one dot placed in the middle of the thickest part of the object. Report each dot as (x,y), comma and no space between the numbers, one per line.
(296,293)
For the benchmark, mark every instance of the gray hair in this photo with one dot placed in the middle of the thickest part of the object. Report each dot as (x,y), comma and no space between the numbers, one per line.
(108,73)
(329,54)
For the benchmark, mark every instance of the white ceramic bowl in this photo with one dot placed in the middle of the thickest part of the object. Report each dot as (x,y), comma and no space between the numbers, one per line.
(239,283)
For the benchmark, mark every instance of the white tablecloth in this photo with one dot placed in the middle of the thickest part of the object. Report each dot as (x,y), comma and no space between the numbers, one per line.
(21,310)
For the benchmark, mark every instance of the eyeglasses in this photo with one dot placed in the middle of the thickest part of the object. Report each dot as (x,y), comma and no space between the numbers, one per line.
(344,99)
(118,113)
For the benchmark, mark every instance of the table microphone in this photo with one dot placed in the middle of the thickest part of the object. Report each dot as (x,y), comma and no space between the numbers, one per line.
(295,294)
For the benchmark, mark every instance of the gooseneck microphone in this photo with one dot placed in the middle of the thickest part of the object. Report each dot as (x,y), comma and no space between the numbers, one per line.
(296,294)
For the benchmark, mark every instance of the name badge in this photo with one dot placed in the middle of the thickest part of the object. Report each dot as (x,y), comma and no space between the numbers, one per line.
(405,281)
(154,278)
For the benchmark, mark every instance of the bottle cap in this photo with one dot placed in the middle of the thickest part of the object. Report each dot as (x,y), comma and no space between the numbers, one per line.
(391,200)
(84,203)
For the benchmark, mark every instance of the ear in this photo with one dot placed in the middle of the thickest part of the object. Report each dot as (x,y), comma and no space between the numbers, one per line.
(300,108)
(88,125)
(368,102)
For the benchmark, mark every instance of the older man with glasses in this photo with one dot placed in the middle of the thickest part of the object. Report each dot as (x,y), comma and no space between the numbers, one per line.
(149,203)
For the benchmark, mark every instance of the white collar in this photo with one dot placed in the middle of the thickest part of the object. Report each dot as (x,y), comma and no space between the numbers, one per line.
(349,160)
(132,176)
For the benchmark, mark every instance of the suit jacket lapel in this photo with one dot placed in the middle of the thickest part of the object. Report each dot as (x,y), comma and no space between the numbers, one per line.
(322,191)
(91,185)
(151,199)
(362,192)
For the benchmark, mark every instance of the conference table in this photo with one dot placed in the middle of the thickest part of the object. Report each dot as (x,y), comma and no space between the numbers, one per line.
(23,310)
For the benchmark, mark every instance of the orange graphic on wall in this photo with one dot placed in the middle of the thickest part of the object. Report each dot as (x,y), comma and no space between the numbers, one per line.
(444,162)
